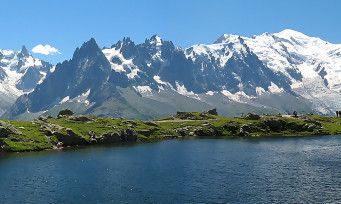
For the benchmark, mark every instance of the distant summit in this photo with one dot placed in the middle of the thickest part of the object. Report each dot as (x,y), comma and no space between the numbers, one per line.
(20,73)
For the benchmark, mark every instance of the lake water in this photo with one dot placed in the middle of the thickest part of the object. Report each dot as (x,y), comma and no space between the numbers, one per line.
(256,170)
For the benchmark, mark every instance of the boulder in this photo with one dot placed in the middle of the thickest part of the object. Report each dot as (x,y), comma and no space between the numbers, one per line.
(64,112)
(244,130)
(252,116)
(310,127)
(213,111)
(274,124)
(44,117)
(70,138)
(233,128)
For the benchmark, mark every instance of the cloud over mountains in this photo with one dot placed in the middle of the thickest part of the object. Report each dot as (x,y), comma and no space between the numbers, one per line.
(45,50)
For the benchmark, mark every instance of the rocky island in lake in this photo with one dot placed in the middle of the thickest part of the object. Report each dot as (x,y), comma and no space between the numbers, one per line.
(73,130)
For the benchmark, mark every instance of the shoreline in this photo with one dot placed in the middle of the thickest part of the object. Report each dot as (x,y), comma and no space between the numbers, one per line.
(77,130)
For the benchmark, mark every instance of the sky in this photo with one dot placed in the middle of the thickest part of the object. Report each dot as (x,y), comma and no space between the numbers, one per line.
(56,28)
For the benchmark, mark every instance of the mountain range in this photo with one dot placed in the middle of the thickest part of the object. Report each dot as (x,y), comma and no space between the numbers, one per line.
(269,73)
(19,74)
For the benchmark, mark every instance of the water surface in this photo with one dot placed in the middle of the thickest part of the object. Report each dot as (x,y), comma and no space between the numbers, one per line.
(290,170)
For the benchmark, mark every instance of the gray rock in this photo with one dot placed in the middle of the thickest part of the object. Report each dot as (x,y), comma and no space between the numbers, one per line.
(128,135)
(184,115)
(4,132)
(117,136)
(80,118)
(109,137)
(274,124)
(213,111)
(71,138)
(310,127)
(252,116)
(44,117)
(244,130)
(7,129)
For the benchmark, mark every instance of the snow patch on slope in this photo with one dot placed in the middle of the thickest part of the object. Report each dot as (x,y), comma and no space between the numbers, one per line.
(143,89)
(123,65)
(82,98)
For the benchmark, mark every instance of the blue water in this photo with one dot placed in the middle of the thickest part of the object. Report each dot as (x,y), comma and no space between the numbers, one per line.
(288,170)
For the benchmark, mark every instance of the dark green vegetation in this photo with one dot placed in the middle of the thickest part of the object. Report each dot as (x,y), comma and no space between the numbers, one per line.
(72,130)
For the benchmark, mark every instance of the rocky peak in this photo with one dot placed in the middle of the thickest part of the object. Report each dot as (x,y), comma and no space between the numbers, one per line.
(23,52)
(154,41)
(227,38)
(88,49)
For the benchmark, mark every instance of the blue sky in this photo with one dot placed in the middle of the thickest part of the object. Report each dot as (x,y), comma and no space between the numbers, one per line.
(66,24)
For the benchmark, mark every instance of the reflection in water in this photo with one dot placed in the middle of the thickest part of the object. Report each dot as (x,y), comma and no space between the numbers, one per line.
(287,170)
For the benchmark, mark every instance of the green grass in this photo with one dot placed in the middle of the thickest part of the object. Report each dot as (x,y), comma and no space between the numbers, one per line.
(33,136)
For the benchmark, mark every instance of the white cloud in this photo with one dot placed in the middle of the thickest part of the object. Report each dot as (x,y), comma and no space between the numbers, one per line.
(45,50)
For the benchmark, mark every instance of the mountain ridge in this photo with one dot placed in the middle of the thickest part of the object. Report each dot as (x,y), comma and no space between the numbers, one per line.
(260,73)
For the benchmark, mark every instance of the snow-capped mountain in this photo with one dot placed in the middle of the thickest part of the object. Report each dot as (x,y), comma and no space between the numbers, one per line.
(270,73)
(19,74)
(312,65)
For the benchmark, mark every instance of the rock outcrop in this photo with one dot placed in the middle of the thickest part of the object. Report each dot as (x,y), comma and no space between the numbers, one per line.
(274,124)
(117,136)
(70,138)
(6,129)
(252,116)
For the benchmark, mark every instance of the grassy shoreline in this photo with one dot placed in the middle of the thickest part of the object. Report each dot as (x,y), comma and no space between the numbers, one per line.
(46,132)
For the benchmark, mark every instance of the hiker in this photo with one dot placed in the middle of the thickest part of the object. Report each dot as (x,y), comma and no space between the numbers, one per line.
(295,114)
(92,134)
(337,114)
(59,145)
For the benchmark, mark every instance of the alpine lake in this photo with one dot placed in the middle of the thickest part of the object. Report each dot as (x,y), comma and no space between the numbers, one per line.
(191,170)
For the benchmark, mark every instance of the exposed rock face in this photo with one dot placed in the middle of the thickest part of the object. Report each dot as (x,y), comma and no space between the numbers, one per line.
(109,137)
(70,139)
(128,135)
(118,136)
(6,130)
